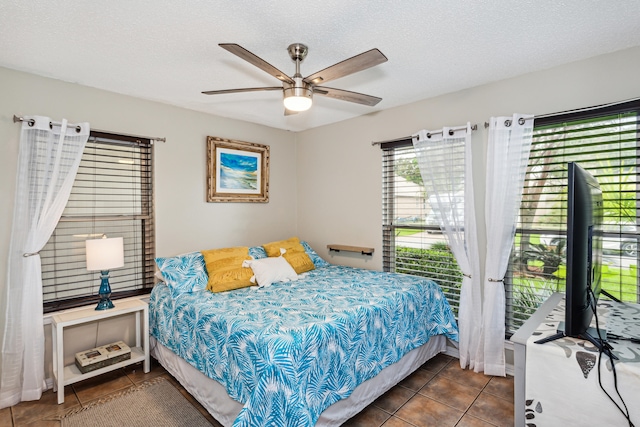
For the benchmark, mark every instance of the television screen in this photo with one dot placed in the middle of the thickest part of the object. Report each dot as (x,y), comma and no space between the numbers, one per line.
(584,249)
(584,256)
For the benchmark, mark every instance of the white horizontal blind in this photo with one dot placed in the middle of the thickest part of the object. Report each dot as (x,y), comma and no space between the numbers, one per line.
(412,240)
(112,195)
(605,142)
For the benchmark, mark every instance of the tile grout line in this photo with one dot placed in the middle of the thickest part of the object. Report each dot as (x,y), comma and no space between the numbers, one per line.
(474,401)
(436,375)
(482,390)
(415,393)
(470,405)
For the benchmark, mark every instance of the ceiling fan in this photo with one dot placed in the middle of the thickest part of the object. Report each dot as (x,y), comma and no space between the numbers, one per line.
(297,90)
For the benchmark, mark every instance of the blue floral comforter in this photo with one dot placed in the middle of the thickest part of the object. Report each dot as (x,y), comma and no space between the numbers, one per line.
(290,350)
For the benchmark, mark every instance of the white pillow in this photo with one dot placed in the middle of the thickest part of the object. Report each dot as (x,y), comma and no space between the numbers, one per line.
(269,270)
(158,275)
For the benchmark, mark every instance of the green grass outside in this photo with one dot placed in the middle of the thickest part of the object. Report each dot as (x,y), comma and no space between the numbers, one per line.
(534,238)
(619,282)
(407,231)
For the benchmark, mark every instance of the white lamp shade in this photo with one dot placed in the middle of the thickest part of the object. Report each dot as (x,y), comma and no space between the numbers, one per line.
(298,97)
(105,254)
(297,103)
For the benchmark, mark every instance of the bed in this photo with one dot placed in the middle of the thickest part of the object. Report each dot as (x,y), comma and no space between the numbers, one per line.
(314,351)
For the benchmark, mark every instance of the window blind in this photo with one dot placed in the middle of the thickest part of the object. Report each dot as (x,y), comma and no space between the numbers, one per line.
(112,195)
(412,240)
(605,142)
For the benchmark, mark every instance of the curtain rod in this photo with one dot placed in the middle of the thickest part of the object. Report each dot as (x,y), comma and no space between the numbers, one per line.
(576,110)
(451,130)
(522,120)
(31,122)
(17,119)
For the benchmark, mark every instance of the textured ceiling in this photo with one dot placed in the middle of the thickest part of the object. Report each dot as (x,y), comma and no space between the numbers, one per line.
(168,51)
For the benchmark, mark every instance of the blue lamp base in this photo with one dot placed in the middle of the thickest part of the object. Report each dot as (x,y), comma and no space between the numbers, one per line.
(104,292)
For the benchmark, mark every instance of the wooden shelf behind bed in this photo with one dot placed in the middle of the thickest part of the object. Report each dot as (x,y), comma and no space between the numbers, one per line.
(361,249)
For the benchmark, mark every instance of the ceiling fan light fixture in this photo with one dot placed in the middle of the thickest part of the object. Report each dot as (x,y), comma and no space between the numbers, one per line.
(298,98)
(297,103)
(297,90)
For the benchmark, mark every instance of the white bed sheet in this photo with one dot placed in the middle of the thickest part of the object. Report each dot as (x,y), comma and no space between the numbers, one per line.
(213,396)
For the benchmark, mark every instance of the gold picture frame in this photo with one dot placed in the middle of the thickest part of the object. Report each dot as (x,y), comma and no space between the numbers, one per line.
(237,171)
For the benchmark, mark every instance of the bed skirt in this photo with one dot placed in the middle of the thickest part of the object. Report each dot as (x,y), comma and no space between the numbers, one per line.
(213,396)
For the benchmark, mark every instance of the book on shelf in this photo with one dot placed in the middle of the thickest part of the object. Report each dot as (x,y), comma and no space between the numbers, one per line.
(116,349)
(105,355)
(88,357)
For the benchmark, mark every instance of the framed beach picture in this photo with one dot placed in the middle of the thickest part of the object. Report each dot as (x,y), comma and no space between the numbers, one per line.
(237,171)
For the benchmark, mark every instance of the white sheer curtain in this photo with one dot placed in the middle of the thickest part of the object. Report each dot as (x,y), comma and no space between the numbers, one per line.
(507,158)
(444,158)
(47,164)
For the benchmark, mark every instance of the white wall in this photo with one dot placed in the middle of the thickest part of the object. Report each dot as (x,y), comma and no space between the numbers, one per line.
(340,172)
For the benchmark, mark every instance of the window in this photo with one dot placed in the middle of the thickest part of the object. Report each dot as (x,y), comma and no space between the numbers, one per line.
(605,142)
(112,195)
(412,240)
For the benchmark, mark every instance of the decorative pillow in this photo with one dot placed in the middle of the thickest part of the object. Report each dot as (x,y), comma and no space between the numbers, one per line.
(257,252)
(183,273)
(269,270)
(225,268)
(295,255)
(315,258)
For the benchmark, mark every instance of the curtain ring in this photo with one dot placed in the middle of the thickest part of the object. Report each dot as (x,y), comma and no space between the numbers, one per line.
(521,121)
(429,135)
(495,280)
(507,123)
(78,129)
(451,132)
(31,122)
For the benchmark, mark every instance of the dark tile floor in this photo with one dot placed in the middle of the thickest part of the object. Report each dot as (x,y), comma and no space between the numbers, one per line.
(438,394)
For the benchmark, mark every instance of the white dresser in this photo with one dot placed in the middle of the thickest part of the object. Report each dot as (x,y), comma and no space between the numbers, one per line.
(556,383)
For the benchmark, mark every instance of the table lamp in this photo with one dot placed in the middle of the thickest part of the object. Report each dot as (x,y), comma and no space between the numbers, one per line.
(104,254)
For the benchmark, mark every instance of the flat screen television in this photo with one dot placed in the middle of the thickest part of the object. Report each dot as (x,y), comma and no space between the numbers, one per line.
(584,249)
(584,256)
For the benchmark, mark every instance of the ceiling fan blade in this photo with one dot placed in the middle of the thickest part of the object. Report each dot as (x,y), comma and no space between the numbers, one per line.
(352,65)
(243,53)
(248,89)
(346,95)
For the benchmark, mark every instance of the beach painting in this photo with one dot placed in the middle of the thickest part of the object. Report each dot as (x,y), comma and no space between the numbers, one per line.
(237,171)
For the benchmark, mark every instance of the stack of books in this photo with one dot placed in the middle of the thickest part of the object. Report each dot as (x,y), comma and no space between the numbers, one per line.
(99,357)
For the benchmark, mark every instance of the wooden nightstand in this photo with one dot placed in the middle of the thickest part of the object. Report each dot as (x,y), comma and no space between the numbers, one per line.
(65,375)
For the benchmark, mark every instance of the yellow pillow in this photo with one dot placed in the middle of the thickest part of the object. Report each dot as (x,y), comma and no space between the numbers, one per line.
(295,255)
(225,270)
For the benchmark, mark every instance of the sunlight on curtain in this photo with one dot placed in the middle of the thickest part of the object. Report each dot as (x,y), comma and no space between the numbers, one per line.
(47,164)
(444,158)
(507,159)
